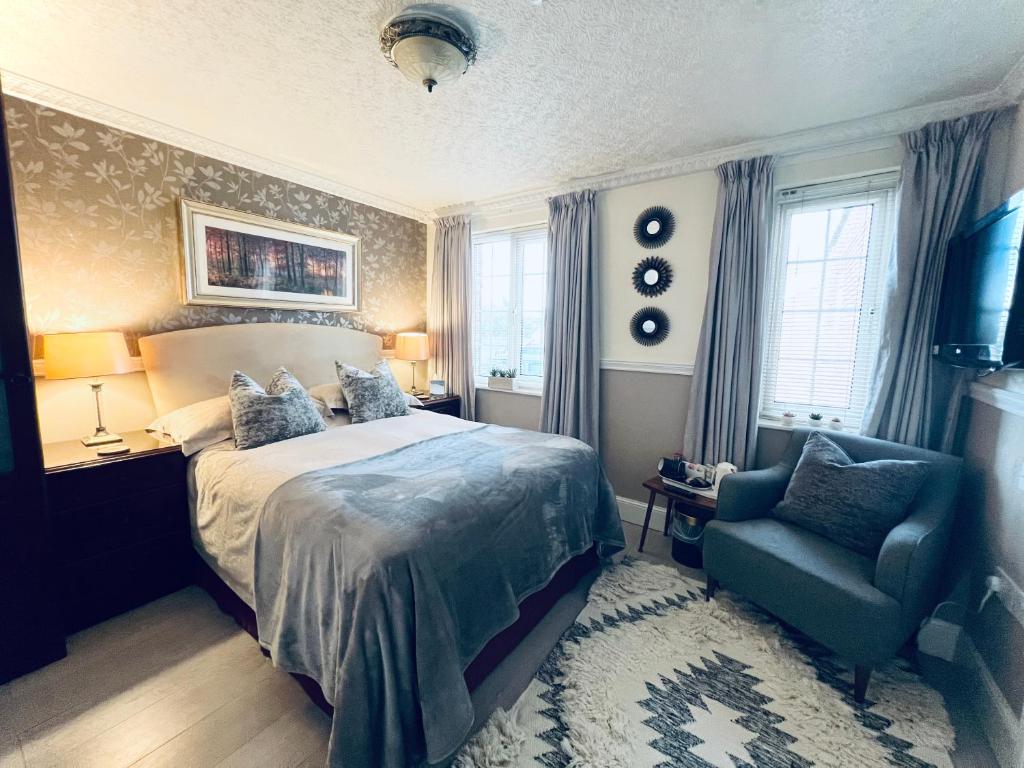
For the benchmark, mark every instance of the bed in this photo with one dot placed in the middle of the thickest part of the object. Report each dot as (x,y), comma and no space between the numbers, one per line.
(391,562)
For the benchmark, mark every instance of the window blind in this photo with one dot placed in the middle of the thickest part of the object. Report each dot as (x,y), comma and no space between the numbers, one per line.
(824,289)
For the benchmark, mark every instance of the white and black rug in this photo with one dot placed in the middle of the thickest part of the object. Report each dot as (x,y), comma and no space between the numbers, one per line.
(652,675)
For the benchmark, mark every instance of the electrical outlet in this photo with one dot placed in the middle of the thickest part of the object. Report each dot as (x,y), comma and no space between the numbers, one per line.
(1011,595)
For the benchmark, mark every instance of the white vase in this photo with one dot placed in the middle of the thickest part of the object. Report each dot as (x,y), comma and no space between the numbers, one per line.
(787,421)
(814,423)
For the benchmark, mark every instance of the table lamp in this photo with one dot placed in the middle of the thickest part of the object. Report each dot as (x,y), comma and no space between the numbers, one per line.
(88,356)
(412,346)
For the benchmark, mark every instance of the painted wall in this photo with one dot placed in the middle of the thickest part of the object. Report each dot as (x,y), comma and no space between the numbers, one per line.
(98,232)
(692,200)
(510,409)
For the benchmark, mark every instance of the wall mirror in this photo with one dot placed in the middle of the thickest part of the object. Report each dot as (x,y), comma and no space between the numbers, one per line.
(649,326)
(652,276)
(654,227)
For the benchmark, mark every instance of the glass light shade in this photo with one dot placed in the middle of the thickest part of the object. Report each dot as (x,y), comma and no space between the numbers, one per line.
(412,346)
(427,60)
(85,355)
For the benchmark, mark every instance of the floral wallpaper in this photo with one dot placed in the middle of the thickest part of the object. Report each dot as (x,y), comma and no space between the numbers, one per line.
(99,235)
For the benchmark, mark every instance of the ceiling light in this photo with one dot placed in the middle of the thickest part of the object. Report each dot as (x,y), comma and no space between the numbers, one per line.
(427,49)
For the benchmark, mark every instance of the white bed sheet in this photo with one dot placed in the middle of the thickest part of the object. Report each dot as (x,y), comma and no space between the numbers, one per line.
(229,488)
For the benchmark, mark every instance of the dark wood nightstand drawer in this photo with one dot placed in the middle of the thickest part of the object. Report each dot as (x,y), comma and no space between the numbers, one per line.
(450,405)
(85,485)
(100,587)
(120,526)
(82,532)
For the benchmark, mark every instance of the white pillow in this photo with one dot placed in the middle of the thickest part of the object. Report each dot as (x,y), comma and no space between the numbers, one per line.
(202,424)
(196,426)
(332,396)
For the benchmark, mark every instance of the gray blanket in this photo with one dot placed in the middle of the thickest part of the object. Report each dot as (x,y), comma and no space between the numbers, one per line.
(382,579)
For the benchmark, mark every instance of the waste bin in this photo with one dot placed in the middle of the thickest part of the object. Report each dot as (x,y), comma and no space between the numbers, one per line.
(688,540)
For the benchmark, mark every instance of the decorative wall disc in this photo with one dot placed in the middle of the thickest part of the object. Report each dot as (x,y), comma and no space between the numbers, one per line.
(649,326)
(654,227)
(652,276)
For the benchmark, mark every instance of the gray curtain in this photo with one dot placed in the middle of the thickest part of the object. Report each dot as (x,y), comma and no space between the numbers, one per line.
(914,400)
(572,355)
(721,419)
(448,319)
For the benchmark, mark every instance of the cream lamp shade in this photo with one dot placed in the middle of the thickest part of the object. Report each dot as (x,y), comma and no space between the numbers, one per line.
(412,346)
(85,355)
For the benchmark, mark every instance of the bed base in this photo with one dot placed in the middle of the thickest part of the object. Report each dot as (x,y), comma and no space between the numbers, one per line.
(531,610)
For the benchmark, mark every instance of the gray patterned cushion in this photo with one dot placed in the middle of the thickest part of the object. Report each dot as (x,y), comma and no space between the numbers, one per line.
(854,505)
(371,396)
(282,411)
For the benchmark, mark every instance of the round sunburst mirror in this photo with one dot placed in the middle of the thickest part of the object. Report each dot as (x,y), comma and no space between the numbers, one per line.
(649,326)
(652,276)
(654,227)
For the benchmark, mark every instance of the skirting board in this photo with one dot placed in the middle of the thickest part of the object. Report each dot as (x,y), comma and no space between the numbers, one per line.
(1002,726)
(633,511)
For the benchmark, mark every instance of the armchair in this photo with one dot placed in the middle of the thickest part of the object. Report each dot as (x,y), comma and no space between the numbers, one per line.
(862,609)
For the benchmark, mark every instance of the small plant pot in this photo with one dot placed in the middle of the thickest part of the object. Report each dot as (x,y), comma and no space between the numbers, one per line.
(816,423)
(787,421)
(500,382)
(836,425)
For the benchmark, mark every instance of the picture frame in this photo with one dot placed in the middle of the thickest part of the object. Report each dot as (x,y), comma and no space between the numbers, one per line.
(237,259)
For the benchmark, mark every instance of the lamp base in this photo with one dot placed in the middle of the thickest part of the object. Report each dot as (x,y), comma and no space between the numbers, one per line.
(101,438)
(416,392)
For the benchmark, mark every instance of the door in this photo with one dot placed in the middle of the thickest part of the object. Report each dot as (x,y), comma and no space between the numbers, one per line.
(30,631)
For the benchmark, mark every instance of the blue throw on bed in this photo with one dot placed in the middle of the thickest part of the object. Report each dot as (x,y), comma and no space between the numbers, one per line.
(383,578)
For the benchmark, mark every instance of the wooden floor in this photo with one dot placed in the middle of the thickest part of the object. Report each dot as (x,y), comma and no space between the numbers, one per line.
(177,683)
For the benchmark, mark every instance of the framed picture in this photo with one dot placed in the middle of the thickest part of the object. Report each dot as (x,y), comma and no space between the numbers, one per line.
(244,260)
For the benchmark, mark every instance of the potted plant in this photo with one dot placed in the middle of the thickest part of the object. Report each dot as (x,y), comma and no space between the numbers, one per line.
(502,378)
(835,423)
(814,419)
(787,418)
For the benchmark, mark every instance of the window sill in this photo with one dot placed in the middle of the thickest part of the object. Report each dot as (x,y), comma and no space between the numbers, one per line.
(778,425)
(527,392)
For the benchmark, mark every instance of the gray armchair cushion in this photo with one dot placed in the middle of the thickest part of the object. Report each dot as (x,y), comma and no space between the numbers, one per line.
(854,505)
(818,586)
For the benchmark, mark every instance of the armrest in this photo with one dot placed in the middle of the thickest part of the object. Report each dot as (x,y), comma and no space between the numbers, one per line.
(749,495)
(911,557)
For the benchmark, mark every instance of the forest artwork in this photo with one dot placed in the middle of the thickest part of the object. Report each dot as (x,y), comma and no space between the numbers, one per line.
(240,259)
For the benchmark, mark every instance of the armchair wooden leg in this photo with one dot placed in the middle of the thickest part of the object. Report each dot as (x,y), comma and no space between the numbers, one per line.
(647,522)
(668,517)
(861,676)
(709,590)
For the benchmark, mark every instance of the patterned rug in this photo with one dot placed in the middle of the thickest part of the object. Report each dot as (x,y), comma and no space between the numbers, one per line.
(652,675)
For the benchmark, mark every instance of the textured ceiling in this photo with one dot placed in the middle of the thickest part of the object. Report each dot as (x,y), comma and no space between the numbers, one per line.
(561,88)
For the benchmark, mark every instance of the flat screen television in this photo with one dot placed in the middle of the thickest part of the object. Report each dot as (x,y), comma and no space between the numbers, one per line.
(981,312)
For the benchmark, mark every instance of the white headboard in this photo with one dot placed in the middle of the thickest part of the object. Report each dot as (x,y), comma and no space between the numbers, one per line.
(184,367)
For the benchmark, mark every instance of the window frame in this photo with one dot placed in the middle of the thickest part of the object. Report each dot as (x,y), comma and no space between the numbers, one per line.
(879,189)
(518,237)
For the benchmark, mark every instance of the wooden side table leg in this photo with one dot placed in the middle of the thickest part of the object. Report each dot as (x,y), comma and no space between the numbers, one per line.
(647,522)
(668,517)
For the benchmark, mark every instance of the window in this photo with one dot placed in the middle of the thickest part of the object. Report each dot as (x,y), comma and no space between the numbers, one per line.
(509,294)
(823,296)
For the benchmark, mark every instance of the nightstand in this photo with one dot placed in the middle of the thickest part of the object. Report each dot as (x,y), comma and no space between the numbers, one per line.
(677,501)
(447,404)
(120,525)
